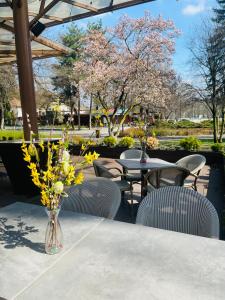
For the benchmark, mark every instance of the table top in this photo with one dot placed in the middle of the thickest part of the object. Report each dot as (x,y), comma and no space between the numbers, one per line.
(151,163)
(104,259)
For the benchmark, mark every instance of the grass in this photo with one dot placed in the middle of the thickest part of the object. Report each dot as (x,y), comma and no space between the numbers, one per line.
(18,134)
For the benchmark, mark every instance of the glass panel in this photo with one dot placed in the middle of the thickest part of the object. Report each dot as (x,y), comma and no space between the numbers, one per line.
(54,16)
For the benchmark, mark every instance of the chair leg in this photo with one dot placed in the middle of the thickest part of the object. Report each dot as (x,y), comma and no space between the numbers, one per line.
(132,201)
(122,196)
(195,184)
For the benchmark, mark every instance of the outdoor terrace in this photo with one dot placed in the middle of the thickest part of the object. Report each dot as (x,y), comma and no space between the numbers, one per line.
(210,184)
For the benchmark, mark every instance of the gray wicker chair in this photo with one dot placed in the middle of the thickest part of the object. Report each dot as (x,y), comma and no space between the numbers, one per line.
(165,176)
(133,176)
(99,197)
(194,163)
(122,183)
(179,209)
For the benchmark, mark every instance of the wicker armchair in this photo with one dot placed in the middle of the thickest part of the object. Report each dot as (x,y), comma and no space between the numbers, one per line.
(165,176)
(133,176)
(194,163)
(99,197)
(122,183)
(179,209)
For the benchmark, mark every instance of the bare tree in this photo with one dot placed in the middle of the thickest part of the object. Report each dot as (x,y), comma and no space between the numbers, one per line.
(208,58)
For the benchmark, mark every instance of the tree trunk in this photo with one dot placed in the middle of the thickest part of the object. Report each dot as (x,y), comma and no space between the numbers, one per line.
(109,126)
(90,112)
(222,128)
(72,104)
(2,117)
(78,110)
(215,136)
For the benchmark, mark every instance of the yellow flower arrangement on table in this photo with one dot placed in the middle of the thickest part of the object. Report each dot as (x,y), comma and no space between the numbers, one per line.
(58,172)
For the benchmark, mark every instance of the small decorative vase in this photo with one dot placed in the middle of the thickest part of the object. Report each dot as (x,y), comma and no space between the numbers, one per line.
(53,235)
(143,159)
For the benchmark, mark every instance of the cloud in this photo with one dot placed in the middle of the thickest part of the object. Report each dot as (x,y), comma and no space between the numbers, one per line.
(193,9)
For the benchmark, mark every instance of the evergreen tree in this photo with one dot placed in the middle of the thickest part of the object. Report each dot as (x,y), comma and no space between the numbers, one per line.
(220,13)
(65,81)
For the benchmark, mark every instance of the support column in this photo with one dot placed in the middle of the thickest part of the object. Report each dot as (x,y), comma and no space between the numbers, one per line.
(25,69)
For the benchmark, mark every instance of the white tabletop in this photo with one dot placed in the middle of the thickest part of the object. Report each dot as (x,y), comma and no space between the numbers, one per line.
(151,163)
(105,259)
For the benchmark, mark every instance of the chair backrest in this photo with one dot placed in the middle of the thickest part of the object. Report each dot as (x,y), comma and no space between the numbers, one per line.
(101,171)
(166,176)
(194,163)
(179,209)
(99,197)
(132,153)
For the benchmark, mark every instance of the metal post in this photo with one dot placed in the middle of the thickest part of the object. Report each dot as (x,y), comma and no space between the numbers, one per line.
(25,69)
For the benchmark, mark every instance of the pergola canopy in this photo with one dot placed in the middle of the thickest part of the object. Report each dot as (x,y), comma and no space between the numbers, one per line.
(50,13)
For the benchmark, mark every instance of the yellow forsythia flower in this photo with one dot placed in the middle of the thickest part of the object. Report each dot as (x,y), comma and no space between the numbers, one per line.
(83,147)
(26,155)
(32,150)
(89,157)
(79,178)
(41,144)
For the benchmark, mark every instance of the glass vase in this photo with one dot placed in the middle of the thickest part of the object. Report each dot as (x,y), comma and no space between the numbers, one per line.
(53,235)
(143,154)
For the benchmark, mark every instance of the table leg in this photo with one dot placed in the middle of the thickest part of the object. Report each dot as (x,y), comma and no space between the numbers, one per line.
(143,187)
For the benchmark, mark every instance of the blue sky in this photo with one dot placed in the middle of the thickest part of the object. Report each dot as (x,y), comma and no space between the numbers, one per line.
(186,14)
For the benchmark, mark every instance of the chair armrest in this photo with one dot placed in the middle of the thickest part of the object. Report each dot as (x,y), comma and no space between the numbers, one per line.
(194,175)
(114,168)
(121,174)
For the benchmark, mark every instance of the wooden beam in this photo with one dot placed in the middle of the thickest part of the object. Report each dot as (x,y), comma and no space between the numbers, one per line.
(25,69)
(100,11)
(4,5)
(34,52)
(81,5)
(7,60)
(44,11)
(6,26)
(42,6)
(51,44)
(9,3)
(39,39)
(8,18)
(5,42)
(33,14)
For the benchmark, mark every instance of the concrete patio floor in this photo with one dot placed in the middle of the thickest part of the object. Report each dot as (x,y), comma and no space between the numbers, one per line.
(210,184)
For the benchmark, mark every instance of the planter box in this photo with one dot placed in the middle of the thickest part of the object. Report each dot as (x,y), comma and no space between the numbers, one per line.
(175,155)
(169,155)
(17,170)
(104,151)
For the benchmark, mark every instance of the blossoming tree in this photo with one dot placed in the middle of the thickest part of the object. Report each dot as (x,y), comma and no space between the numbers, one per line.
(128,65)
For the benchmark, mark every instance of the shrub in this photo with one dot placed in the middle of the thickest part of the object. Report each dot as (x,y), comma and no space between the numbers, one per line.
(190,143)
(12,134)
(165,124)
(206,124)
(187,124)
(218,147)
(133,132)
(152,142)
(77,140)
(126,141)
(109,141)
